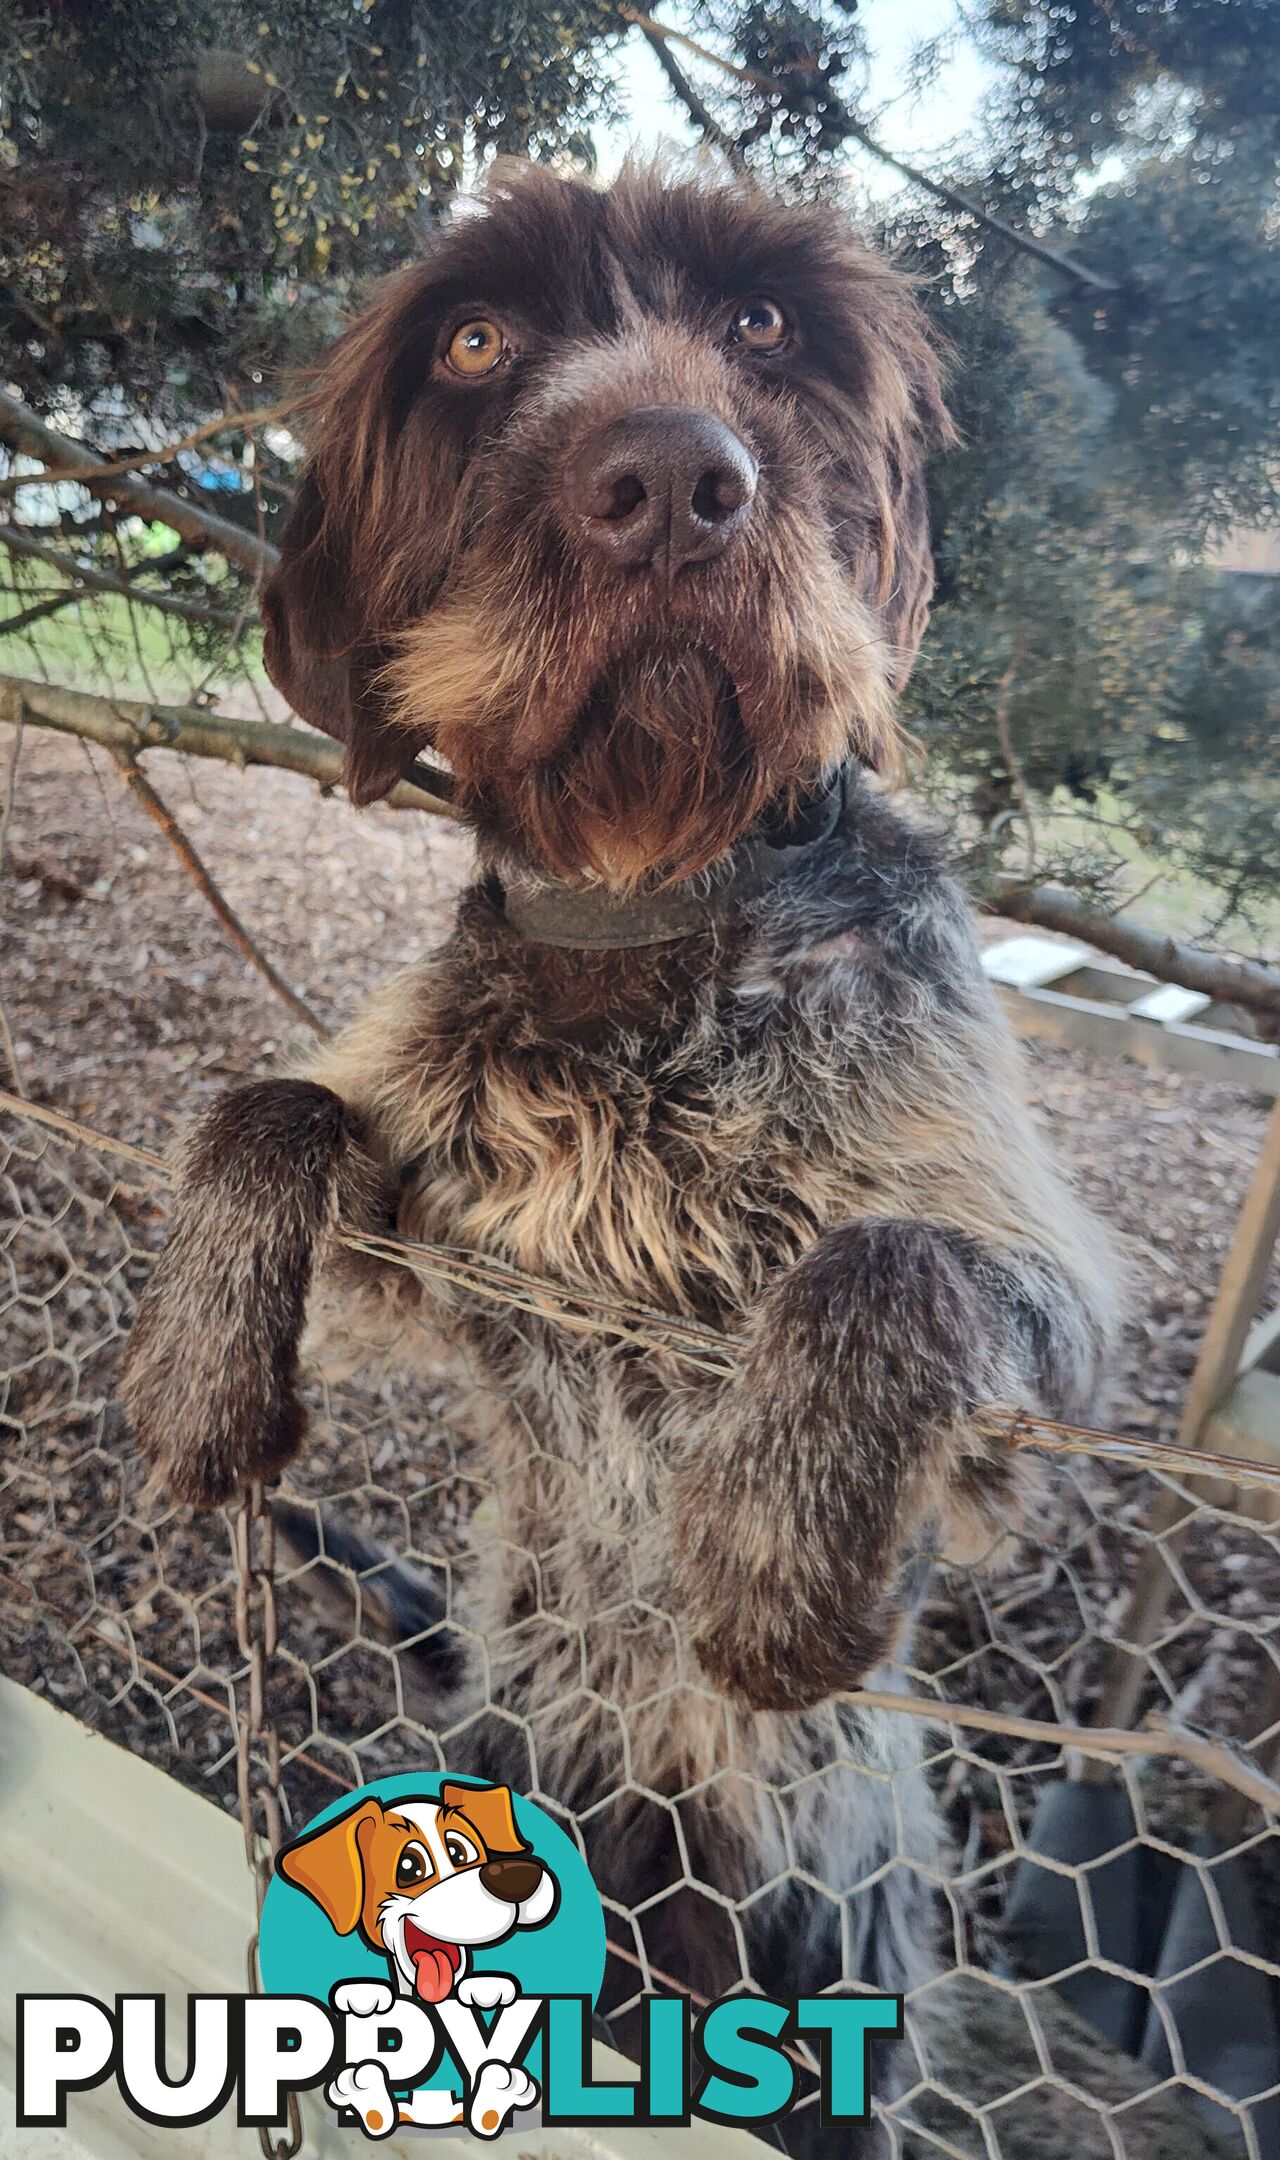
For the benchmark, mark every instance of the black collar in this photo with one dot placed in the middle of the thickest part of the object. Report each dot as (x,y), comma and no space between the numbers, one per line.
(591,920)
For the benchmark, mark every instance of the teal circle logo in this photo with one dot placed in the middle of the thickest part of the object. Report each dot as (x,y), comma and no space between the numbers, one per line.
(426,1892)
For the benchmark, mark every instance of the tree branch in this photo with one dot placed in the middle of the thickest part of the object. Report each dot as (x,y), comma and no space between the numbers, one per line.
(1217,1758)
(102,581)
(693,103)
(39,611)
(776,86)
(1216,975)
(127,725)
(106,469)
(160,814)
(63,456)
(133,726)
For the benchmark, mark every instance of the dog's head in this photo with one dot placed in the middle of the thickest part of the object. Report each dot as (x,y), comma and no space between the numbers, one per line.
(616,500)
(424,1880)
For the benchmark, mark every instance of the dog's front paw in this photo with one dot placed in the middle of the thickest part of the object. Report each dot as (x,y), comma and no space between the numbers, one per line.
(209,1418)
(772,1659)
(362,1998)
(486,1991)
(210,1368)
(500,2089)
(363,2089)
(822,1459)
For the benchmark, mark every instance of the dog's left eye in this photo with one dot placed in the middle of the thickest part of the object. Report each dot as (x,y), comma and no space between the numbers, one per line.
(761,325)
(476,348)
(461,1851)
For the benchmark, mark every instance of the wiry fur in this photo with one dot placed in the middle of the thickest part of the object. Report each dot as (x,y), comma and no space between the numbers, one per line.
(804,1126)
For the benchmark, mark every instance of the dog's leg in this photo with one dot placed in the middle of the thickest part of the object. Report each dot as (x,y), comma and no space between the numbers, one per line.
(847,1428)
(209,1374)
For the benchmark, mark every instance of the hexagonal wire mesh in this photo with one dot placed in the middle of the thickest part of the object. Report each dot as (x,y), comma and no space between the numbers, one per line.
(124,1611)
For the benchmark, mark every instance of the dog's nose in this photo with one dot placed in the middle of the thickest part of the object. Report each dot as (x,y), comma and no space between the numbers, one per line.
(667,481)
(514,1880)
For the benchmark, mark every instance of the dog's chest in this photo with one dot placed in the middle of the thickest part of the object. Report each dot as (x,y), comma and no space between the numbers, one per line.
(678,1167)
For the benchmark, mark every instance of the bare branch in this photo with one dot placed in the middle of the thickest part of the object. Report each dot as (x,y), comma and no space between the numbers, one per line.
(102,581)
(131,726)
(160,814)
(107,468)
(40,610)
(1211,1756)
(696,107)
(776,86)
(1215,975)
(124,724)
(63,456)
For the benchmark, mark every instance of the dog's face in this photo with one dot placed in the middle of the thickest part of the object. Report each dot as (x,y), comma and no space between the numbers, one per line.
(616,500)
(425,1880)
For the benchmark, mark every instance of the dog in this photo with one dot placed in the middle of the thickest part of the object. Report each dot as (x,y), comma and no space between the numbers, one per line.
(616,502)
(426,1881)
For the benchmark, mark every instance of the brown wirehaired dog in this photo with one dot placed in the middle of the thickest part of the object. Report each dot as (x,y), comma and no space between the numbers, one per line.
(615,501)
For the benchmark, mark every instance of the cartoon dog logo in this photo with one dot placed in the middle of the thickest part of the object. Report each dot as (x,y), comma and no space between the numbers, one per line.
(425,1880)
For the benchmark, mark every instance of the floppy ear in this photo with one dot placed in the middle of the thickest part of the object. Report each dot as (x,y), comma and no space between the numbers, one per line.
(904,610)
(321,657)
(489,1808)
(329,1865)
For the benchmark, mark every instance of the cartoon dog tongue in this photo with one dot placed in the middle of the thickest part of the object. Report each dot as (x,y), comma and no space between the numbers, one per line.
(434,1963)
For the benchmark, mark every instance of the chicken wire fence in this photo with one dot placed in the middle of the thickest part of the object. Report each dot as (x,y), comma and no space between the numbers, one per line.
(1089,1906)
(1079,1988)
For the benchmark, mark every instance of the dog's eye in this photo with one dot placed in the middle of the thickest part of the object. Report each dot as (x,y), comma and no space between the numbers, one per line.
(761,325)
(412,1867)
(476,348)
(460,1849)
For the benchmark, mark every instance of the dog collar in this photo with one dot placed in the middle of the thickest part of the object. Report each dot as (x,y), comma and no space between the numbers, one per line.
(590,920)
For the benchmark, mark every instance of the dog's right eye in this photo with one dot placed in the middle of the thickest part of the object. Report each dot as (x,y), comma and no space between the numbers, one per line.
(412,1867)
(476,348)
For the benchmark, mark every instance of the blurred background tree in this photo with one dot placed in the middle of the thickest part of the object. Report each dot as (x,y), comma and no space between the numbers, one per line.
(192,193)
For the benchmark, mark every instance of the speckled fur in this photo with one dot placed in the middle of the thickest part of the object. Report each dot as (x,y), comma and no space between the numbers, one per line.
(832,1058)
(804,1126)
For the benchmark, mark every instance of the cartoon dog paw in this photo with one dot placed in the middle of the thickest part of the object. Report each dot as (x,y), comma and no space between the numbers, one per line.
(363,2087)
(499,2090)
(362,1998)
(486,1991)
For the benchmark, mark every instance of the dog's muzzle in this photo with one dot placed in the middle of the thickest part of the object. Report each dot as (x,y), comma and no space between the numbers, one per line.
(664,485)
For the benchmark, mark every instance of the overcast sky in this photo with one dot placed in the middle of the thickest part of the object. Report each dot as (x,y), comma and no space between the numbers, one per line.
(923,129)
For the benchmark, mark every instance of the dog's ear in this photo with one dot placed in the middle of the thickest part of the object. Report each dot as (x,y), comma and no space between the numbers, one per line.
(905,368)
(908,571)
(489,1809)
(329,1865)
(318,653)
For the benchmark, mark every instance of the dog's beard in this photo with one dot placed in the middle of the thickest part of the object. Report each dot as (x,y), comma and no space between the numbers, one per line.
(601,736)
(656,772)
